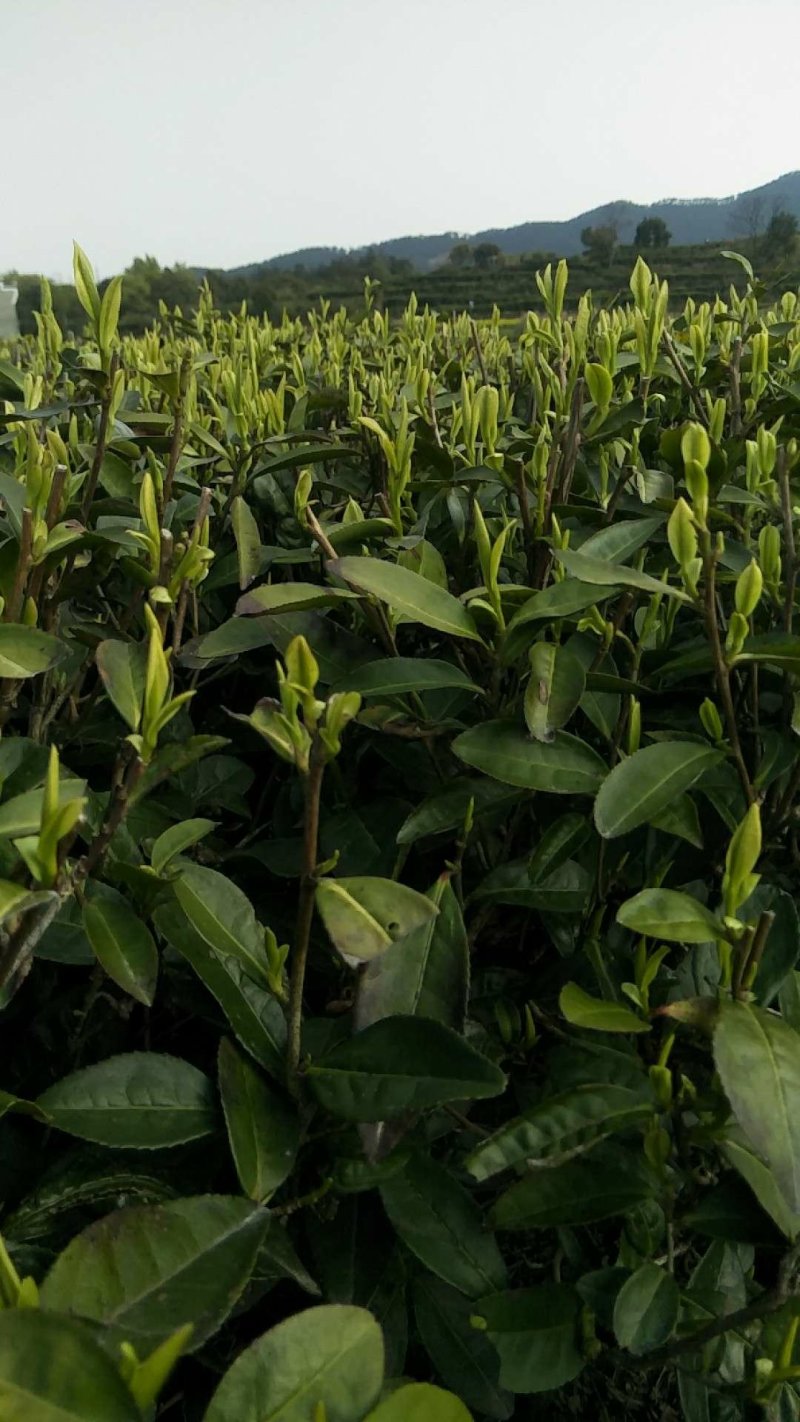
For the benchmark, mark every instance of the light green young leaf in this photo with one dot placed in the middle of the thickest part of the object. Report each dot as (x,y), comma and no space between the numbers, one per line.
(667,914)
(596,1014)
(365,916)
(176,839)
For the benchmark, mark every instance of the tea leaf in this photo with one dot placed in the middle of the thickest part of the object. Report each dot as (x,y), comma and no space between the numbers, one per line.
(52,1368)
(263,1129)
(330,1355)
(564,766)
(141,1101)
(400,1064)
(646,783)
(145,1271)
(441,1224)
(416,597)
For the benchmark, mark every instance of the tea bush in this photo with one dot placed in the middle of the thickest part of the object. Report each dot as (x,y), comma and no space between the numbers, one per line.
(399,840)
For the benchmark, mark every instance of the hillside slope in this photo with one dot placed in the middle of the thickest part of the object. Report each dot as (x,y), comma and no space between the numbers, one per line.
(689,220)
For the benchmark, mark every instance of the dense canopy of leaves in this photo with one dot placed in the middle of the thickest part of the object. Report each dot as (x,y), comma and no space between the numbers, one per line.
(399,793)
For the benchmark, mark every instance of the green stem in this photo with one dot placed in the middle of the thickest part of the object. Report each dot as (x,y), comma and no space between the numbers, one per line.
(305,913)
(721,670)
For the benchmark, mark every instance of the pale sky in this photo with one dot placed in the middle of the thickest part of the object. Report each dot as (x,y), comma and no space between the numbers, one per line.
(219,132)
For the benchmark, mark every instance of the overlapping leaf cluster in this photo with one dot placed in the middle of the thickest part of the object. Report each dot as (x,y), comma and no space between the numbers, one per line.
(399,802)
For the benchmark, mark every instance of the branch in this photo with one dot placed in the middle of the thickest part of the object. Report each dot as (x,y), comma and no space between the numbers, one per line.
(721,671)
(100,446)
(788,536)
(305,912)
(770,1302)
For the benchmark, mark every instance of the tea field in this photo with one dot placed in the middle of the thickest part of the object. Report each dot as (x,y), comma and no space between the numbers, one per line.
(399,843)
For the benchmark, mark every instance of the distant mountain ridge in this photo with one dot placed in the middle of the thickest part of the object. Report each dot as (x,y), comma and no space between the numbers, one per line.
(690,220)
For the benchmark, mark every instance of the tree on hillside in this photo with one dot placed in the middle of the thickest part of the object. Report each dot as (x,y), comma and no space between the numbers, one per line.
(460,255)
(599,243)
(652,232)
(747,216)
(488,254)
(781,234)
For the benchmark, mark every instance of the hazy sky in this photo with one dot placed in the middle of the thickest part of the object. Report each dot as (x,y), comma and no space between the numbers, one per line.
(224,131)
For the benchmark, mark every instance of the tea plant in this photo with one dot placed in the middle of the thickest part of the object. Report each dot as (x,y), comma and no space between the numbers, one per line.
(398,841)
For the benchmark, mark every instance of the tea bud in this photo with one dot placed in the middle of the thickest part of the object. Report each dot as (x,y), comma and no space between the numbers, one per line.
(711,720)
(697,485)
(769,553)
(741,859)
(301,665)
(738,628)
(749,586)
(661,1082)
(681,534)
(599,384)
(695,446)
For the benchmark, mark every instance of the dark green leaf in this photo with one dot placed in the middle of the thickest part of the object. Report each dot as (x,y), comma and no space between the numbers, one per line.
(643,785)
(263,1128)
(176,839)
(253,1013)
(578,1192)
(559,1128)
(535,1332)
(401,1064)
(394,676)
(596,1014)
(122,943)
(53,1370)
(462,1355)
(442,1225)
(646,1309)
(145,1271)
(122,670)
(420,1402)
(331,1355)
(223,916)
(565,766)
(141,1100)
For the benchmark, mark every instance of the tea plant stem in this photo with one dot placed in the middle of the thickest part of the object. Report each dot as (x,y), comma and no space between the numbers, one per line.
(14,604)
(736,388)
(118,807)
(100,445)
(203,506)
(177,430)
(790,567)
(437,434)
(721,671)
(17,955)
(305,912)
(683,376)
(525,515)
(476,341)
